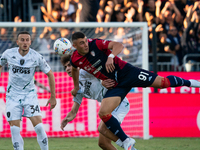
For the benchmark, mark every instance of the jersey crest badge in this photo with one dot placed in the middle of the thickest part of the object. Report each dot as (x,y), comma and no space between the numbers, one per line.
(92,53)
(8,114)
(22,61)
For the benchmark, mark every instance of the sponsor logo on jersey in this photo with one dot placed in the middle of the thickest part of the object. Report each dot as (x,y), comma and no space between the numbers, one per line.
(98,69)
(22,70)
(97,63)
(13,57)
(87,88)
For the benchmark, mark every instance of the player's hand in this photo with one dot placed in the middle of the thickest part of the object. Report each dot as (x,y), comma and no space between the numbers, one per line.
(52,101)
(108,83)
(74,91)
(66,120)
(110,67)
(64,123)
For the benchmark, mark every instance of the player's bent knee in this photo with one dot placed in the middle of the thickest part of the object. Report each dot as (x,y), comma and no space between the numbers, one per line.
(99,129)
(101,145)
(165,83)
(105,118)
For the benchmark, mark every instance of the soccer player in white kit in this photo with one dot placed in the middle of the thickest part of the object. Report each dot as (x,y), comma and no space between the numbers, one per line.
(91,87)
(21,96)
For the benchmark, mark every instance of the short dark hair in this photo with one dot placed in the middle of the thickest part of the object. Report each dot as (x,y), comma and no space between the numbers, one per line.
(23,32)
(65,58)
(77,35)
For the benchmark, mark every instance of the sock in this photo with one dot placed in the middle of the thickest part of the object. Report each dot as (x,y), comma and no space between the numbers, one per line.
(177,81)
(17,140)
(41,136)
(114,126)
(194,83)
(119,143)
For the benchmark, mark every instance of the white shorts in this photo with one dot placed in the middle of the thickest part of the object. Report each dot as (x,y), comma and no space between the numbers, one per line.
(18,105)
(122,110)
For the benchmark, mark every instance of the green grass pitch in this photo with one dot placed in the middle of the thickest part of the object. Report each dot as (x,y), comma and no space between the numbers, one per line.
(92,144)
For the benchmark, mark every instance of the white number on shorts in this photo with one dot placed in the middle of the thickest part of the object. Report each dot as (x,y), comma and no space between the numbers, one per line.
(34,109)
(142,76)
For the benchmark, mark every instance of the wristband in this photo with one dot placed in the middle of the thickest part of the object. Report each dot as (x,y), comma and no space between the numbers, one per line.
(112,56)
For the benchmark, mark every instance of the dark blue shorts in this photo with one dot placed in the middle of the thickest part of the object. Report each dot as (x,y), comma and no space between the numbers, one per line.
(128,78)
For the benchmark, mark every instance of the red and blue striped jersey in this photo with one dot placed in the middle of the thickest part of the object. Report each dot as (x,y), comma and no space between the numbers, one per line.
(94,61)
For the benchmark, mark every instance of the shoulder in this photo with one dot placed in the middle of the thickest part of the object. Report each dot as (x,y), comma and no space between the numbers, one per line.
(35,54)
(11,51)
(84,74)
(75,56)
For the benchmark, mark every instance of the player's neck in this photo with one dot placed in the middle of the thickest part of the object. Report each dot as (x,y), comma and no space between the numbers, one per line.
(23,52)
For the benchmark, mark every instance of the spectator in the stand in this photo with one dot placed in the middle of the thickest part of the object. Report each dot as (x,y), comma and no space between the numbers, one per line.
(168,18)
(164,47)
(118,16)
(5,42)
(89,10)
(56,14)
(180,4)
(134,13)
(190,40)
(152,12)
(189,10)
(175,39)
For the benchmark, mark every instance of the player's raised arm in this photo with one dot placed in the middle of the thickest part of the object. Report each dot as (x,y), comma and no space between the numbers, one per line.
(70,116)
(75,76)
(52,99)
(116,49)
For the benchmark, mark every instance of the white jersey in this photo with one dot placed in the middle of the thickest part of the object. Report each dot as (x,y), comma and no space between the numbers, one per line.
(22,69)
(89,87)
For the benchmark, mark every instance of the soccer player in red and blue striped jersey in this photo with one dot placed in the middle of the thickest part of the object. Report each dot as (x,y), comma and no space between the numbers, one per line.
(95,56)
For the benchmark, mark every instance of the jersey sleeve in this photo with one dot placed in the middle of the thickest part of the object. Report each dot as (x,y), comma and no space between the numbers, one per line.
(102,44)
(78,98)
(43,64)
(84,75)
(72,63)
(3,59)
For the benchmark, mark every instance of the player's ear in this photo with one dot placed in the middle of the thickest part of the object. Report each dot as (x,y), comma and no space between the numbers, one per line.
(74,45)
(17,42)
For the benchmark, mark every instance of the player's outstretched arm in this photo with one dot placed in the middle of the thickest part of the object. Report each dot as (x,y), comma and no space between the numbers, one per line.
(52,99)
(70,116)
(75,76)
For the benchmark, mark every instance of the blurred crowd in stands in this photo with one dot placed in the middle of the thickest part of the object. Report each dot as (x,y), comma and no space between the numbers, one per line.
(177,24)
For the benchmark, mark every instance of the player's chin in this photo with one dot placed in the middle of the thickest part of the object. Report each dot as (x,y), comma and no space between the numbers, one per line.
(70,74)
(86,51)
(25,48)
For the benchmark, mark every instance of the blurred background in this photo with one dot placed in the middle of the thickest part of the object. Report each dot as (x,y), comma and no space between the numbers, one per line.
(176,25)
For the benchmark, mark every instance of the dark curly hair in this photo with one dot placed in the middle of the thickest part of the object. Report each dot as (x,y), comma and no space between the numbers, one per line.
(65,58)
